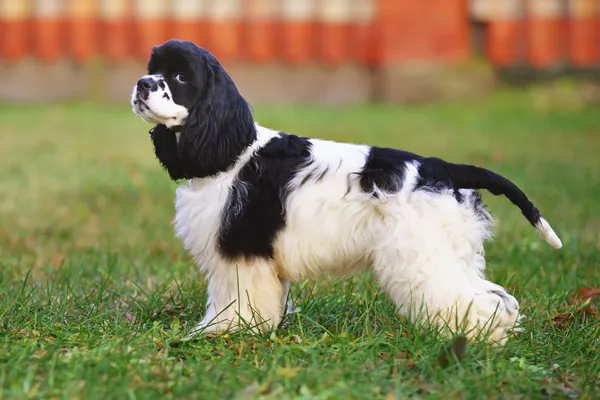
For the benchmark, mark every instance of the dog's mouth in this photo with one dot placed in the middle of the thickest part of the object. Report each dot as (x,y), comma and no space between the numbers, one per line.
(142,108)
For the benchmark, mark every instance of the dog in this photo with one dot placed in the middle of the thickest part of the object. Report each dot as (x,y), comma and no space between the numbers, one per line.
(259,208)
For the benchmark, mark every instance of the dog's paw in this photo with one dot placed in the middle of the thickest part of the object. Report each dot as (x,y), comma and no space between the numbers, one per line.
(208,328)
(495,315)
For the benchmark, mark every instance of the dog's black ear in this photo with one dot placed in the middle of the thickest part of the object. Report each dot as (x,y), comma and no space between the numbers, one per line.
(218,128)
(165,148)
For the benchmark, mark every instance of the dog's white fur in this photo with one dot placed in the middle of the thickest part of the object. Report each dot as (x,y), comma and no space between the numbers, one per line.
(425,248)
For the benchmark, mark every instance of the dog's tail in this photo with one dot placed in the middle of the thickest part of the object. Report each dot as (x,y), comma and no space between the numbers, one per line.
(462,176)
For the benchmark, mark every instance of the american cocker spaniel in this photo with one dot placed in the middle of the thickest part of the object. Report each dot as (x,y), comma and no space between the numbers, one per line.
(259,208)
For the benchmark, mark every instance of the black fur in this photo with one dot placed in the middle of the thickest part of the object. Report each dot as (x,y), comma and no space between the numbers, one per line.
(165,149)
(472,177)
(219,125)
(261,185)
(434,178)
(385,169)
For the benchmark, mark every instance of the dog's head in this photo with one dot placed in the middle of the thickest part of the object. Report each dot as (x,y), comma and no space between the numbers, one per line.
(187,90)
(180,75)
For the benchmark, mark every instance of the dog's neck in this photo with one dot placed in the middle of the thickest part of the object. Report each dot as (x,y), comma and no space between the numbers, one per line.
(176,129)
(185,159)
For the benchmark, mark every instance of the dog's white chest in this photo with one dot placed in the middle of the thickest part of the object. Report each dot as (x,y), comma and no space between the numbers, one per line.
(198,211)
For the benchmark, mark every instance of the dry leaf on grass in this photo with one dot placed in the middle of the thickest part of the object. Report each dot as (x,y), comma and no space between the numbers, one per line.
(580,315)
(584,295)
(584,309)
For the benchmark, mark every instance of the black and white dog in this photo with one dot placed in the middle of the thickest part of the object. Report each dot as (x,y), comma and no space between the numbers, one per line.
(260,208)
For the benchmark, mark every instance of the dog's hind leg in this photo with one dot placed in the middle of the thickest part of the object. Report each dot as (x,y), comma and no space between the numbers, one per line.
(431,264)
(242,296)
(440,292)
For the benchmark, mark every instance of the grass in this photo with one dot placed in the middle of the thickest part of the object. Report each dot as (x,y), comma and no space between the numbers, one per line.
(95,290)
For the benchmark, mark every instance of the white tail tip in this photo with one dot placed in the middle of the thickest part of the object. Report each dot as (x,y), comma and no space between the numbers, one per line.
(548,233)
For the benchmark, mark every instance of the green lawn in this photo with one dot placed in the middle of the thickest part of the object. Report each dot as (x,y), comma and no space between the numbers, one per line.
(95,290)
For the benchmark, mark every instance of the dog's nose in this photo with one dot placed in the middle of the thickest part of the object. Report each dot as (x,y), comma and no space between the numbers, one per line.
(146,83)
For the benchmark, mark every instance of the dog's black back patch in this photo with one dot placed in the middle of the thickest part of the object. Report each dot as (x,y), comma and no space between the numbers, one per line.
(435,176)
(384,169)
(255,209)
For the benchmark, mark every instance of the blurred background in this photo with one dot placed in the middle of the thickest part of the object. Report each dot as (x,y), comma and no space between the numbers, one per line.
(336,51)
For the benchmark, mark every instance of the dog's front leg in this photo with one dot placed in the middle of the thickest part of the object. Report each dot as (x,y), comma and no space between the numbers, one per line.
(242,296)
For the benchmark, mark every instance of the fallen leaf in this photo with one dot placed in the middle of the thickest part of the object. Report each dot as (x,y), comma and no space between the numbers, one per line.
(583,295)
(589,294)
(580,315)
(581,299)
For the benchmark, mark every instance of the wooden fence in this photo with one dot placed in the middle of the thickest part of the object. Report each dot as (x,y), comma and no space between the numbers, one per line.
(292,31)
(540,33)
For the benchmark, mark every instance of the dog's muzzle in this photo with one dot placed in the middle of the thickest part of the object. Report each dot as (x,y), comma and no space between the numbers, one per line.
(144,86)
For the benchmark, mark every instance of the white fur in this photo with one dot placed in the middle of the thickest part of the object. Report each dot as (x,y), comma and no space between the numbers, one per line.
(158,108)
(548,233)
(425,248)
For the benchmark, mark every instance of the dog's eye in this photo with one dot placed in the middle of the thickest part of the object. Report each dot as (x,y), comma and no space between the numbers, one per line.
(179,77)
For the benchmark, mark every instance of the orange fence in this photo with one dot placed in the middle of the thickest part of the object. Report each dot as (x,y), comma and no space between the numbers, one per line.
(540,33)
(292,31)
